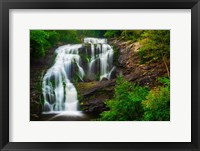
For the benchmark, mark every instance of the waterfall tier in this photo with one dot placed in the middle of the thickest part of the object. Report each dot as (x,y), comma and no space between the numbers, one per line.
(92,60)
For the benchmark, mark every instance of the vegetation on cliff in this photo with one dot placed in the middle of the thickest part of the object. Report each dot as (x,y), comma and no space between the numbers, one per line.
(132,102)
(42,40)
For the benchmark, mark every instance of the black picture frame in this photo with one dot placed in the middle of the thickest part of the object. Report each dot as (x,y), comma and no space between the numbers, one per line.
(5,5)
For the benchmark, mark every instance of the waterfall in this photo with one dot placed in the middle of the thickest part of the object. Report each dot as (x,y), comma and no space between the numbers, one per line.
(59,91)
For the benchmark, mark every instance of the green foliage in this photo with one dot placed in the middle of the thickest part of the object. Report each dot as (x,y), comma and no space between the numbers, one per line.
(42,40)
(132,102)
(155,45)
(164,81)
(132,35)
(53,37)
(68,36)
(64,84)
(97,76)
(126,104)
(157,104)
(112,33)
(76,78)
(38,43)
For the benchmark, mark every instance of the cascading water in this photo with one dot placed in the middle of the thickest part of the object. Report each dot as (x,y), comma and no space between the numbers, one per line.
(105,56)
(58,90)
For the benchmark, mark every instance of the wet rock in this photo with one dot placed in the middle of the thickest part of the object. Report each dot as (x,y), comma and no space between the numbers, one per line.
(104,79)
(95,103)
(94,94)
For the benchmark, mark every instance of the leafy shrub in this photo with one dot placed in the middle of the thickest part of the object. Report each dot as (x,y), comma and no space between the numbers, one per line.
(126,104)
(157,103)
(41,40)
(112,33)
(54,37)
(132,102)
(68,36)
(132,35)
(38,43)
(155,45)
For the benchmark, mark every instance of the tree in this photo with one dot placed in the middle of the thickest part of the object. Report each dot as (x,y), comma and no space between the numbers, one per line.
(155,46)
(157,103)
(38,42)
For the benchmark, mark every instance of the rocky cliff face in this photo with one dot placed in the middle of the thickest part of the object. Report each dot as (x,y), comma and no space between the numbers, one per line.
(131,67)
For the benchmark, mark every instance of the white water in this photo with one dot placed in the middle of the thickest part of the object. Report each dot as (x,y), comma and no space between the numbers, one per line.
(58,90)
(95,40)
(105,55)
